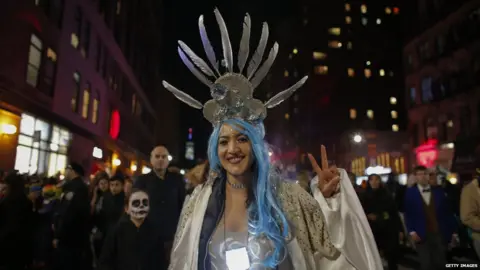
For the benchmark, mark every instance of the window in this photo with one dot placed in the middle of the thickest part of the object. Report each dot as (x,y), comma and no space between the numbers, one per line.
(76,92)
(84,50)
(388,10)
(75,37)
(34,60)
(319,55)
(368,63)
(347,7)
(285,73)
(119,7)
(348,20)
(364,21)
(393,100)
(395,127)
(394,114)
(334,44)
(95,107)
(322,70)
(349,45)
(86,101)
(295,51)
(351,72)
(427,94)
(381,72)
(368,73)
(413,95)
(49,70)
(370,114)
(353,113)
(379,21)
(363,8)
(335,31)
(287,116)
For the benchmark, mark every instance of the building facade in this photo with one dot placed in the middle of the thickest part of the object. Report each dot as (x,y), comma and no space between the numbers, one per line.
(442,67)
(78,82)
(352,52)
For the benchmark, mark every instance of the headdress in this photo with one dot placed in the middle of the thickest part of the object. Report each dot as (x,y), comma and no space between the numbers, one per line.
(232,92)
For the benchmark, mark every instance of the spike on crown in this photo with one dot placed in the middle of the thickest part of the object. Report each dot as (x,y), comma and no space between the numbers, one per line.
(232,92)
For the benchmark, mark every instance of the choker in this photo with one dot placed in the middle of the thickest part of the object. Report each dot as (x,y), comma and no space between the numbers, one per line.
(237,186)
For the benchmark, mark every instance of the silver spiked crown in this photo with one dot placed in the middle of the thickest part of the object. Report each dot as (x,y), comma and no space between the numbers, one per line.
(232,92)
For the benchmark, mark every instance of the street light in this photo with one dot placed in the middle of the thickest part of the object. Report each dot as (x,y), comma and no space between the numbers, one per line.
(357,138)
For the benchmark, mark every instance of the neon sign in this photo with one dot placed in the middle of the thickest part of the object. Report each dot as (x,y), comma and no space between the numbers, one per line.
(114,125)
(427,153)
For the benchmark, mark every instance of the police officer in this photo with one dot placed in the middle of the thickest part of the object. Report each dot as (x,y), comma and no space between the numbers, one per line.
(71,226)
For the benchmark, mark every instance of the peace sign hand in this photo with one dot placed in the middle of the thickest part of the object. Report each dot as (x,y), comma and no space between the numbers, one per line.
(328,178)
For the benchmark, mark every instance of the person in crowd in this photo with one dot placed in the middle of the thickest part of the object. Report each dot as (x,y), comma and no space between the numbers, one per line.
(72,222)
(113,207)
(16,232)
(134,242)
(245,216)
(396,190)
(470,210)
(353,180)
(382,214)
(429,220)
(101,183)
(167,193)
(127,187)
(197,175)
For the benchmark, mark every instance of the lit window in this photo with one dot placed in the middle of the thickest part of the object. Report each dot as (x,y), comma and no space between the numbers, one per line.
(367,72)
(379,21)
(319,55)
(86,101)
(290,56)
(353,113)
(390,74)
(52,55)
(393,100)
(450,123)
(295,51)
(335,31)
(347,7)
(76,92)
(394,114)
(34,60)
(368,63)
(396,10)
(119,7)
(321,70)
(334,44)
(287,116)
(349,45)
(348,20)
(382,72)
(388,10)
(370,114)
(351,72)
(395,127)
(95,106)
(74,40)
(363,9)
(364,21)
(285,73)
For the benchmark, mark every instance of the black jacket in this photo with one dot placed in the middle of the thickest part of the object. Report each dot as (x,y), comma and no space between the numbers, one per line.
(130,248)
(166,200)
(72,219)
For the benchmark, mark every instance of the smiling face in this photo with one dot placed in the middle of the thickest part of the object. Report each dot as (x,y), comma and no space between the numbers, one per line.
(234,151)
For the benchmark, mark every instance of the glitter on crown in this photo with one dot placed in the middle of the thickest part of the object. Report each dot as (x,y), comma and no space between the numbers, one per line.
(232,92)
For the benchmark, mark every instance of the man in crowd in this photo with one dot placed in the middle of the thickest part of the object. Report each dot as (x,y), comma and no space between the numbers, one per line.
(71,225)
(166,191)
(429,220)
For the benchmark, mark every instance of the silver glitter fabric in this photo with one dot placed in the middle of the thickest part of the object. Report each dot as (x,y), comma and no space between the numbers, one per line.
(232,92)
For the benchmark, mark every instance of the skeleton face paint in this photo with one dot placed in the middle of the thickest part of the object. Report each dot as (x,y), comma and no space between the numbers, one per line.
(138,205)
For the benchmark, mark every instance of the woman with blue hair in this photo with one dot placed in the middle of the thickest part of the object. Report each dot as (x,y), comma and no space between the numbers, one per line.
(245,216)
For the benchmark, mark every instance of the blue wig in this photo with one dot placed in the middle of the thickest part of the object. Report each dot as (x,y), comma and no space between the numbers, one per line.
(265,215)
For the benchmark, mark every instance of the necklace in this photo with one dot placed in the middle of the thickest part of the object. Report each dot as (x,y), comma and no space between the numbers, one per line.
(237,186)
